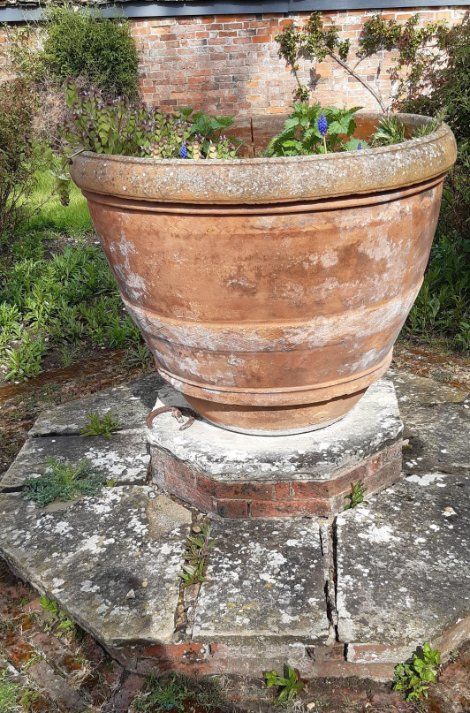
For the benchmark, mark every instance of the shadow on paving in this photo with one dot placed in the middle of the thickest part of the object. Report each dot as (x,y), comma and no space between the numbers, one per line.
(58,668)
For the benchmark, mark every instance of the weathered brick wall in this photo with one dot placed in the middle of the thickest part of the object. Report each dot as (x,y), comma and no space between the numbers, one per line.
(229,63)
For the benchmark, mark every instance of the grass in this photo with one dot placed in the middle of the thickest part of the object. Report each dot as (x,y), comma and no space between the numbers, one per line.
(176,692)
(49,213)
(9,694)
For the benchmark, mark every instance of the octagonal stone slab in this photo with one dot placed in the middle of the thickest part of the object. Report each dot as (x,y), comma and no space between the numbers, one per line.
(403,568)
(123,458)
(111,561)
(238,475)
(128,403)
(264,579)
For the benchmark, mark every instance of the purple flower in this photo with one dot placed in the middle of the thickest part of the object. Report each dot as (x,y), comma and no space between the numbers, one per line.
(183,151)
(322,124)
(359,146)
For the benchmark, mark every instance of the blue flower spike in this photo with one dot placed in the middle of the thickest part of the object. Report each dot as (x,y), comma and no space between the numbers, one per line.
(322,125)
(359,146)
(183,151)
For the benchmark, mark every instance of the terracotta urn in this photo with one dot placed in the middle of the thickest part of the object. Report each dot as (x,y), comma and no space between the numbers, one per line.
(271,290)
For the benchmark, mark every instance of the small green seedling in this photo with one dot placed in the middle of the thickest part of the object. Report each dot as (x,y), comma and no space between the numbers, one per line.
(100,425)
(356,496)
(413,678)
(288,686)
(63,481)
(195,556)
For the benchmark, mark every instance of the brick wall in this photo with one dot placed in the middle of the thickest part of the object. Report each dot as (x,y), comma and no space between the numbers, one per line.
(229,63)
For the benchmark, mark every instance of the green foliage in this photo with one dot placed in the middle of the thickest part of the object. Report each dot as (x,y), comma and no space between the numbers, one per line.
(389,131)
(63,481)
(413,678)
(289,685)
(443,305)
(301,135)
(356,496)
(176,692)
(69,299)
(9,694)
(120,126)
(17,156)
(60,621)
(195,556)
(100,425)
(413,45)
(81,44)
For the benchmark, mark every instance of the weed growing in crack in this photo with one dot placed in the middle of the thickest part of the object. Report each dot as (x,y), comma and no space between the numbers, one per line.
(413,678)
(60,622)
(63,481)
(356,496)
(195,556)
(100,425)
(288,685)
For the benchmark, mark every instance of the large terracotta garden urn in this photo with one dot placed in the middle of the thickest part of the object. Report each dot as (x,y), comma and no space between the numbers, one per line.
(271,290)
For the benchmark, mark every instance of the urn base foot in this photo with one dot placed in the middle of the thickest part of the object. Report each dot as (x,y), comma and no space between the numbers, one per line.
(272,421)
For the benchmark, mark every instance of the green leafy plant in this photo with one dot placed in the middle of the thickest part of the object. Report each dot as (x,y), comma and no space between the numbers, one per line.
(61,623)
(356,496)
(195,556)
(17,154)
(100,425)
(414,46)
(120,126)
(82,44)
(63,481)
(301,134)
(288,685)
(390,130)
(413,678)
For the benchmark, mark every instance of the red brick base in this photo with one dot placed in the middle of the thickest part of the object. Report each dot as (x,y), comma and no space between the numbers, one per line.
(285,498)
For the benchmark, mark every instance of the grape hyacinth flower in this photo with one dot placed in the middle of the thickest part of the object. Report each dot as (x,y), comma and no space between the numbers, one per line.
(359,146)
(183,151)
(322,125)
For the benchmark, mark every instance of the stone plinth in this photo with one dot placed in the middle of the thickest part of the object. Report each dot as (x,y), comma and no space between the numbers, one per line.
(239,476)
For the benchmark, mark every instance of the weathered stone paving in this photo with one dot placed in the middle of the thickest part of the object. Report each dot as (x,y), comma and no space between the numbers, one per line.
(112,561)
(123,458)
(403,571)
(263,579)
(400,562)
(128,404)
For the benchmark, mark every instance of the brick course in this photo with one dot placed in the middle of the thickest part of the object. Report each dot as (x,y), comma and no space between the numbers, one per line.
(286,498)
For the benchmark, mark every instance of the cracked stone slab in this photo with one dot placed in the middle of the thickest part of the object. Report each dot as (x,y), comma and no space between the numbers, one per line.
(123,457)
(128,403)
(403,567)
(264,578)
(111,561)
(370,426)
